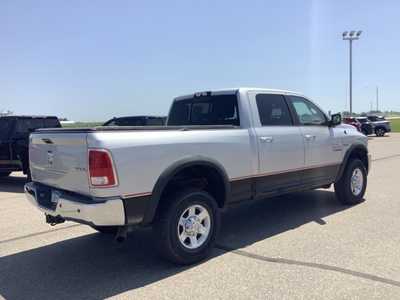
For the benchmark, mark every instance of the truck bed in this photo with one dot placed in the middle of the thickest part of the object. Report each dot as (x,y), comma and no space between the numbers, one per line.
(59,157)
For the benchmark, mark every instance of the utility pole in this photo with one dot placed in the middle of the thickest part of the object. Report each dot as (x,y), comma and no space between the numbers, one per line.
(351,76)
(350,36)
(377,99)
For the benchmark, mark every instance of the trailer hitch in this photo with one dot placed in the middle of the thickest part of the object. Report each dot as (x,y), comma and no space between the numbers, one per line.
(54,220)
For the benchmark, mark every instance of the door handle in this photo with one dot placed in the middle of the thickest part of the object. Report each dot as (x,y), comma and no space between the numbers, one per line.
(309,137)
(266,139)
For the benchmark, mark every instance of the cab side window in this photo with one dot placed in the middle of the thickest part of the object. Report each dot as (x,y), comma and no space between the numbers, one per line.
(273,110)
(307,112)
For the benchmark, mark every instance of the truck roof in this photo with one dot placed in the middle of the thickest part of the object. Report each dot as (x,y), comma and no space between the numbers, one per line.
(228,91)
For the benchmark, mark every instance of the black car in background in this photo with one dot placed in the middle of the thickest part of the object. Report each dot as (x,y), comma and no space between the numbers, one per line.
(367,126)
(136,121)
(14,141)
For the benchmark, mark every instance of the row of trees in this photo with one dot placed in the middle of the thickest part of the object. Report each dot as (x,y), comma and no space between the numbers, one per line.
(372,112)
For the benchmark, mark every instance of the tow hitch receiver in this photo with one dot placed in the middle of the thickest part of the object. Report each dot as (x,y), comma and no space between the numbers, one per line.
(54,220)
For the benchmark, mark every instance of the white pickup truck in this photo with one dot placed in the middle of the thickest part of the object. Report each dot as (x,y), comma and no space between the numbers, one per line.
(218,148)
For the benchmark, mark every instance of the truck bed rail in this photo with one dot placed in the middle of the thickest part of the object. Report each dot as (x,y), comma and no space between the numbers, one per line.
(135,128)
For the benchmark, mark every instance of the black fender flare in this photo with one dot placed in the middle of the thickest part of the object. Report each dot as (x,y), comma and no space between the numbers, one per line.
(349,151)
(171,171)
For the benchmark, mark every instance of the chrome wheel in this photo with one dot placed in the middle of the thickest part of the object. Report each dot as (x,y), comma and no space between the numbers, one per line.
(357,182)
(194,226)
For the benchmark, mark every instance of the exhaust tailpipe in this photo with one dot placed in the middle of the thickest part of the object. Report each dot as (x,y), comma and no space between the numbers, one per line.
(122,234)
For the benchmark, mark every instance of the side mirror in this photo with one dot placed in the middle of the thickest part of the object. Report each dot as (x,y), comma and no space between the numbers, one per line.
(336,119)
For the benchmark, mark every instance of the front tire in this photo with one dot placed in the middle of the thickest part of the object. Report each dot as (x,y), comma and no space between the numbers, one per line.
(350,189)
(187,227)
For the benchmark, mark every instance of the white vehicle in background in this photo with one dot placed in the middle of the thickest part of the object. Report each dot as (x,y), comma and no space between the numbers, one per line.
(218,148)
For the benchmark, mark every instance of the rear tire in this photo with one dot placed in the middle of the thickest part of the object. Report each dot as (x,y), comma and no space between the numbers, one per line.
(380,132)
(350,189)
(106,229)
(364,132)
(4,174)
(187,226)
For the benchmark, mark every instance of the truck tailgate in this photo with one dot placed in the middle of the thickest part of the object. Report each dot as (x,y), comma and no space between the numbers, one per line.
(60,160)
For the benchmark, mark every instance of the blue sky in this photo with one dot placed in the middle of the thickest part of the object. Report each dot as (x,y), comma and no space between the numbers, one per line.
(92,60)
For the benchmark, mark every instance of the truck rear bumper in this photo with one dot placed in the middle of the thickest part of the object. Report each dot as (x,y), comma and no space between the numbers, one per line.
(54,202)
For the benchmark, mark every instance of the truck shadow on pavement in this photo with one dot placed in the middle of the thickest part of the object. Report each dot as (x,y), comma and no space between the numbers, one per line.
(94,267)
(252,222)
(12,184)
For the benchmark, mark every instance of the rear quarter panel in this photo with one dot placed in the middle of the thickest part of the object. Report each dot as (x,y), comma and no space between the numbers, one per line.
(141,157)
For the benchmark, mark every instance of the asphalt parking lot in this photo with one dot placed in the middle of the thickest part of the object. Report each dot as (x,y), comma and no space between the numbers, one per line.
(305,245)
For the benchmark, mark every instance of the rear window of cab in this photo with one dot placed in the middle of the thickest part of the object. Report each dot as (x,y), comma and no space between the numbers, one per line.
(205,110)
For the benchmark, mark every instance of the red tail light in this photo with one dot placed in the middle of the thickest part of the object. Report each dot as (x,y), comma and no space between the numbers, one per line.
(101,169)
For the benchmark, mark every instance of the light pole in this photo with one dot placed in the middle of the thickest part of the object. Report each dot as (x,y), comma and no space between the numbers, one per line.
(350,36)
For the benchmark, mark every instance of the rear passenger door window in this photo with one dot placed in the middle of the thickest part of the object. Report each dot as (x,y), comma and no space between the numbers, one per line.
(273,110)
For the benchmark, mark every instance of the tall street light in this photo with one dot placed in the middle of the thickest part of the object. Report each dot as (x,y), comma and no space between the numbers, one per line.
(351,36)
